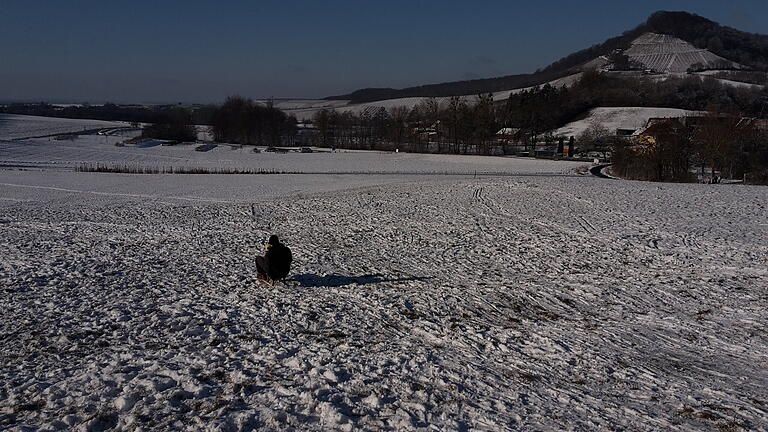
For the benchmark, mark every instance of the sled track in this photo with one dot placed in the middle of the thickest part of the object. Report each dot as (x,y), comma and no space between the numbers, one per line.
(586,225)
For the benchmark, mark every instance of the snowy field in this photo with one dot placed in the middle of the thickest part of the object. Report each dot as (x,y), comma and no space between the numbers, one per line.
(92,149)
(539,301)
(14,126)
(304,109)
(613,118)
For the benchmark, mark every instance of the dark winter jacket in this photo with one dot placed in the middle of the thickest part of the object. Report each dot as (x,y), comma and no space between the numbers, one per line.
(278,261)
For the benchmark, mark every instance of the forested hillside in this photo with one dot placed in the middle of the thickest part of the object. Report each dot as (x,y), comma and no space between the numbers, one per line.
(748,49)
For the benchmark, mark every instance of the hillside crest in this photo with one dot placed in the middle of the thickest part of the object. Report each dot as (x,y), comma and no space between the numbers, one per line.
(693,42)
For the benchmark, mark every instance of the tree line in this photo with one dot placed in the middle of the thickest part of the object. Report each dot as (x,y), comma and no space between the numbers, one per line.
(468,124)
(243,121)
(200,114)
(454,88)
(545,108)
(238,120)
(173,124)
(719,145)
(457,125)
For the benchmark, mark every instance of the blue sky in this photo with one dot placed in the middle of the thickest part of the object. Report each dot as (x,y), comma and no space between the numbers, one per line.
(196,51)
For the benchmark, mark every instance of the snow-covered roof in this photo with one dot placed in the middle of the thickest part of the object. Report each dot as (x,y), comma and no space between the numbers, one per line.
(508,131)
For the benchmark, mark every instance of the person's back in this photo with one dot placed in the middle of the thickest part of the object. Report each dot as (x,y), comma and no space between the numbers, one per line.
(279,260)
(276,263)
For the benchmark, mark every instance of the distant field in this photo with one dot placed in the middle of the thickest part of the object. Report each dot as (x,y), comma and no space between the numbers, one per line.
(305,109)
(619,118)
(93,149)
(14,126)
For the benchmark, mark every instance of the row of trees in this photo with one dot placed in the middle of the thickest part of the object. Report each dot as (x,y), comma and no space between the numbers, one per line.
(725,142)
(468,125)
(243,121)
(666,156)
(174,124)
(238,120)
(545,108)
(732,145)
(107,111)
(456,125)
(721,143)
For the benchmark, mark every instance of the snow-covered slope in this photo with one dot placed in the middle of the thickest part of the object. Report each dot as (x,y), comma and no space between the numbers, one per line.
(304,110)
(664,53)
(14,126)
(530,303)
(660,53)
(531,299)
(613,118)
(68,155)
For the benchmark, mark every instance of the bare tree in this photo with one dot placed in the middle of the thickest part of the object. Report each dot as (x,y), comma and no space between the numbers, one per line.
(594,138)
(398,124)
(485,122)
(718,137)
(322,121)
(429,110)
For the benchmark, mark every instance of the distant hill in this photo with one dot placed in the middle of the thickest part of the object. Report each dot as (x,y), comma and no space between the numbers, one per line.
(749,49)
(456,88)
(662,53)
(725,47)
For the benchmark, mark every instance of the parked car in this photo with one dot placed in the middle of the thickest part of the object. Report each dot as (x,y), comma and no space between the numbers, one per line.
(205,147)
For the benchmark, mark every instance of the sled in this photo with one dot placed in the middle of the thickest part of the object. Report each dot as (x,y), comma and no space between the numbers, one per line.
(274,282)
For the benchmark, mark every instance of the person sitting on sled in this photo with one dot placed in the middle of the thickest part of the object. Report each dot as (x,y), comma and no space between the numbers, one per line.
(276,263)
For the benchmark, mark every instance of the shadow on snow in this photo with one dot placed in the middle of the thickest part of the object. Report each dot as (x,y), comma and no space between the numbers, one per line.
(336,280)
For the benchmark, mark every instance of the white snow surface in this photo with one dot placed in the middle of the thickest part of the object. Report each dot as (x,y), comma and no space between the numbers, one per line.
(14,126)
(306,109)
(613,118)
(542,301)
(95,149)
(665,53)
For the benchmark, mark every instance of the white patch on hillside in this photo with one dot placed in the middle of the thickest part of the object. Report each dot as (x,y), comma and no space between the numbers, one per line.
(14,126)
(306,109)
(613,118)
(668,54)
